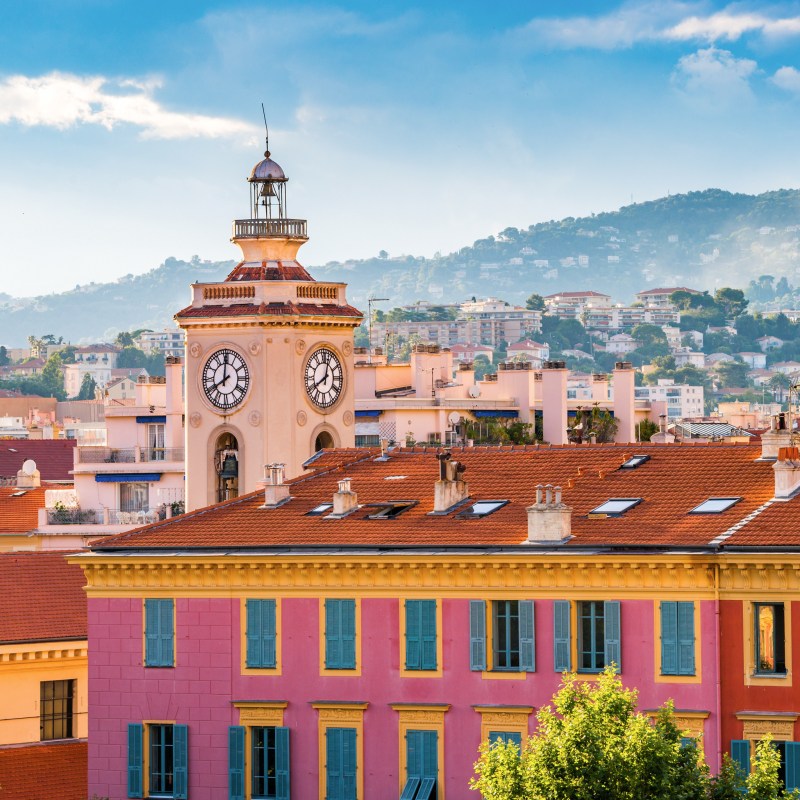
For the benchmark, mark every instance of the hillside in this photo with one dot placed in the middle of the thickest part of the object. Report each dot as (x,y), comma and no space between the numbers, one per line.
(701,239)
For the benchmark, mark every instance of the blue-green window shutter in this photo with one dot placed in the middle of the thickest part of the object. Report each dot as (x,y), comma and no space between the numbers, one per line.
(527,649)
(159,633)
(740,753)
(422,755)
(340,764)
(410,789)
(669,637)
(505,737)
(613,642)
(562,661)
(340,634)
(261,634)
(180,766)
(477,635)
(282,763)
(686,638)
(413,635)
(792,766)
(428,627)
(348,613)
(135,741)
(236,762)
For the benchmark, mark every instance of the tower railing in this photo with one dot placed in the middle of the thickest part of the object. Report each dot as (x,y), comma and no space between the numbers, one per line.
(264,228)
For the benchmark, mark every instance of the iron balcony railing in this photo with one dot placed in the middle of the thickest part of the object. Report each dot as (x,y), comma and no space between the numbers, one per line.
(265,228)
(113,516)
(161,454)
(128,455)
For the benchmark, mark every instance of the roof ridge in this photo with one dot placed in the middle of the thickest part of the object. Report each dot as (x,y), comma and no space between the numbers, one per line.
(741,523)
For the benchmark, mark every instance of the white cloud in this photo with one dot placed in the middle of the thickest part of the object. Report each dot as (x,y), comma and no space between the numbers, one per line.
(716,77)
(61,100)
(729,26)
(787,78)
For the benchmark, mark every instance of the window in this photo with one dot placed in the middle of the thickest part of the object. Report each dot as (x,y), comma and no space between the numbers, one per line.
(322,508)
(616,506)
(422,765)
(389,510)
(55,709)
(505,737)
(368,440)
(261,634)
(482,508)
(634,461)
(159,633)
(420,634)
(789,769)
(677,638)
(598,642)
(770,656)
(134,497)
(155,442)
(511,636)
(340,764)
(715,505)
(167,760)
(267,765)
(340,634)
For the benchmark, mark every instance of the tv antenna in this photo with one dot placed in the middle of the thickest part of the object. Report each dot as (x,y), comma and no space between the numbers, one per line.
(266,128)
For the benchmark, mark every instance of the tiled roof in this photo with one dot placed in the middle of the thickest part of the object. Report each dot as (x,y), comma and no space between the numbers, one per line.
(675,479)
(576,294)
(44,771)
(19,512)
(269,271)
(272,309)
(53,457)
(668,290)
(41,598)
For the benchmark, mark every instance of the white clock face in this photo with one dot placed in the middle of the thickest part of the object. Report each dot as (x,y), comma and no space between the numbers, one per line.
(225,379)
(324,377)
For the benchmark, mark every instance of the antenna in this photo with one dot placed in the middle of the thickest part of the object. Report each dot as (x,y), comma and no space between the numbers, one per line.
(266,128)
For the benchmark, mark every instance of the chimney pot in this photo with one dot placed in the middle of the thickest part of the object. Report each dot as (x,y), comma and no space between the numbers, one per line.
(275,490)
(539,489)
(345,500)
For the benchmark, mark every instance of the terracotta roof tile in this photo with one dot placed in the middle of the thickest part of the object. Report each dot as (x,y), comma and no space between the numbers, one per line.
(269,271)
(41,598)
(53,457)
(275,309)
(45,770)
(19,513)
(675,480)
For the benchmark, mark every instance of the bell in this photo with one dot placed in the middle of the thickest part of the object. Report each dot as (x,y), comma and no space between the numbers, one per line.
(230,468)
(267,190)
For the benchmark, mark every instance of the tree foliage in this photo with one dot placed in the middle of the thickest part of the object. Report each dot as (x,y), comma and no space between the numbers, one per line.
(88,386)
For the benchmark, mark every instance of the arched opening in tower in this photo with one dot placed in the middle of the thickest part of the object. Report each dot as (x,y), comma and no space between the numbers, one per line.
(226,465)
(323,440)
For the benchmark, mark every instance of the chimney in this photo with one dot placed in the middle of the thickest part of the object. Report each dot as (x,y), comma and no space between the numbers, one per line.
(624,402)
(662,437)
(29,477)
(554,402)
(549,520)
(778,436)
(344,500)
(276,491)
(787,472)
(449,490)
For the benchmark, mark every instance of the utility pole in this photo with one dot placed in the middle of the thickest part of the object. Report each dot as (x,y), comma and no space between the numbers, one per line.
(370,301)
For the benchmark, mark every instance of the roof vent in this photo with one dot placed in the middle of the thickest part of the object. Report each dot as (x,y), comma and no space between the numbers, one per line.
(276,492)
(344,500)
(549,520)
(449,490)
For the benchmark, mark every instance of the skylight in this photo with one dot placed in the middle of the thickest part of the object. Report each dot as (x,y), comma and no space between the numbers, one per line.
(715,505)
(482,508)
(634,461)
(18,494)
(617,506)
(322,508)
(389,510)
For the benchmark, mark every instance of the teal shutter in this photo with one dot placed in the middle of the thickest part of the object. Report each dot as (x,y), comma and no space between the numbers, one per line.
(422,755)
(685,627)
(792,766)
(261,634)
(430,754)
(428,627)
(613,643)
(527,651)
(562,661)
(236,762)
(414,754)
(669,637)
(159,633)
(340,634)
(349,765)
(281,764)
(740,753)
(410,789)
(413,635)
(135,741)
(348,612)
(477,635)
(180,765)
(427,789)
(340,765)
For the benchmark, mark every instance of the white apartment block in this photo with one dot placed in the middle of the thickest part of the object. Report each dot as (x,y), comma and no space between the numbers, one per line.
(681,401)
(169,342)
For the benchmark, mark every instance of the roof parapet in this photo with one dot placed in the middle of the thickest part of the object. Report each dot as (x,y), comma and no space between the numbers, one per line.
(276,491)
(449,490)
(549,519)
(345,499)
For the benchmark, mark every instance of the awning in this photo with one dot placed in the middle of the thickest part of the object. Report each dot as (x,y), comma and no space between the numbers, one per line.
(128,477)
(505,412)
(372,412)
(145,418)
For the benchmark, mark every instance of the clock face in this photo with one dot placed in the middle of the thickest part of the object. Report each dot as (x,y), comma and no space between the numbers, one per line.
(323,377)
(225,379)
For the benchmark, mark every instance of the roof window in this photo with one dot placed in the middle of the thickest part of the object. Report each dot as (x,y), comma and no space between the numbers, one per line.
(616,506)
(389,510)
(322,508)
(482,508)
(634,461)
(715,505)
(18,494)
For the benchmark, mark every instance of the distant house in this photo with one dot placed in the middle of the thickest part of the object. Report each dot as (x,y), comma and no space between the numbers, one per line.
(467,352)
(786,367)
(717,358)
(660,297)
(621,343)
(535,350)
(689,358)
(767,343)
(755,360)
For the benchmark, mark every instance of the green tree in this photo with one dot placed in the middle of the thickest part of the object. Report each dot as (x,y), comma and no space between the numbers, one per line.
(732,301)
(124,339)
(52,377)
(732,374)
(779,385)
(764,782)
(645,429)
(4,359)
(88,386)
(535,302)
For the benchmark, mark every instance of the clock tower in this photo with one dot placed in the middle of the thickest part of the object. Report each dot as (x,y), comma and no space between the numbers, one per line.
(269,356)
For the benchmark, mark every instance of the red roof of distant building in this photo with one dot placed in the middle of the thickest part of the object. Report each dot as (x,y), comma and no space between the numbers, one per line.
(576,294)
(45,770)
(273,309)
(668,290)
(53,457)
(41,598)
(269,271)
(675,479)
(527,344)
(19,509)
(98,348)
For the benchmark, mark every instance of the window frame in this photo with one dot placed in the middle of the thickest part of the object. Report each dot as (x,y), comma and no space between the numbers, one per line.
(758,670)
(47,713)
(324,667)
(483,633)
(421,717)
(261,669)
(141,770)
(340,715)
(407,671)
(632,502)
(567,631)
(698,509)
(252,715)
(149,649)
(594,620)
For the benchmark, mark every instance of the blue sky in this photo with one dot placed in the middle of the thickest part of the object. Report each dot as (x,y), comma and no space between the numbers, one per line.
(127,129)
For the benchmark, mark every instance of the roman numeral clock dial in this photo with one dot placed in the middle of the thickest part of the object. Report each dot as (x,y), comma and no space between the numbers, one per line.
(225,379)
(323,377)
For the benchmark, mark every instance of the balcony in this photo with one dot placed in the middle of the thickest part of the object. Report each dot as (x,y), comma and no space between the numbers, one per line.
(107,518)
(128,455)
(270,228)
